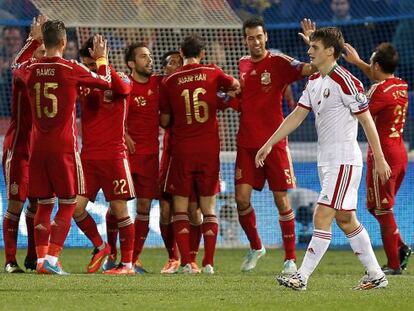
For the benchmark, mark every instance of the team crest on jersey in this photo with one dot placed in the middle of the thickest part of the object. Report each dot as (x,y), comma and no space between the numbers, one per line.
(265,78)
(238,174)
(326,93)
(14,188)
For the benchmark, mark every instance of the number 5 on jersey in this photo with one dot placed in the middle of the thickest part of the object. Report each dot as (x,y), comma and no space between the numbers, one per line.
(46,94)
(200,107)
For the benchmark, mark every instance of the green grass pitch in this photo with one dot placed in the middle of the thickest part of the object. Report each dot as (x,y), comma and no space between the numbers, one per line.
(229,289)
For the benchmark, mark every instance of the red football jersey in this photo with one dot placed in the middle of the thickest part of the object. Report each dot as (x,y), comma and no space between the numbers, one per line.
(103,115)
(190,96)
(17,137)
(388,104)
(143,115)
(53,84)
(263,84)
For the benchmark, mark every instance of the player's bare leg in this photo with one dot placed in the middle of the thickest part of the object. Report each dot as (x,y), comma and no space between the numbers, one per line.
(247,219)
(210,231)
(361,245)
(126,237)
(167,234)
(287,227)
(141,225)
(88,226)
(181,225)
(10,231)
(194,214)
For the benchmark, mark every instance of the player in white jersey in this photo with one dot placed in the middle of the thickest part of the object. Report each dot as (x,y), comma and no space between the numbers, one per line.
(336,98)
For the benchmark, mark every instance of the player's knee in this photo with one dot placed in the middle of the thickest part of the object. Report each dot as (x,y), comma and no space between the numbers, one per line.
(165,215)
(143,206)
(15,207)
(282,202)
(243,201)
(195,216)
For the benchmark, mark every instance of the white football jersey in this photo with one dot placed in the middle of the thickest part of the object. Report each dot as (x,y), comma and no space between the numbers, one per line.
(335,100)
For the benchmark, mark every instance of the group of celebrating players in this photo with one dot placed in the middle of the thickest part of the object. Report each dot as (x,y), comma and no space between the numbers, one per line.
(120,119)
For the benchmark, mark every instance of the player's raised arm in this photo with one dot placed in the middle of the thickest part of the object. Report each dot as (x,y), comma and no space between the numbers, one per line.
(121,84)
(291,123)
(351,56)
(381,166)
(33,42)
(308,27)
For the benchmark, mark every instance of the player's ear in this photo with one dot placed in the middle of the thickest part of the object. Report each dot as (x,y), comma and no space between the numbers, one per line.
(265,36)
(181,54)
(131,64)
(202,54)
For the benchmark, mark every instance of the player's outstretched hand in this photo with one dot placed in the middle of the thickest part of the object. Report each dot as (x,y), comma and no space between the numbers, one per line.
(383,170)
(100,47)
(351,55)
(308,27)
(262,154)
(36,27)
(130,143)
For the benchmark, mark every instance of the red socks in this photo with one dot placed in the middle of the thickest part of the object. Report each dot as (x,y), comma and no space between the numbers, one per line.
(10,230)
(167,234)
(126,239)
(182,234)
(42,226)
(195,238)
(141,225)
(210,230)
(111,231)
(247,219)
(88,226)
(287,226)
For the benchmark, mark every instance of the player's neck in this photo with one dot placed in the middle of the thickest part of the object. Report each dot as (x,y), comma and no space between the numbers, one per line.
(54,52)
(139,78)
(327,67)
(259,58)
(384,76)
(192,60)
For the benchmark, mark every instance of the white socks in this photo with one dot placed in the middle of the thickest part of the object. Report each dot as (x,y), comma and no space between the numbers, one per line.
(316,249)
(361,245)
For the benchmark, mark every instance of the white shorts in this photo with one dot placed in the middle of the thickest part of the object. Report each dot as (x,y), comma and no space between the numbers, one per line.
(339,186)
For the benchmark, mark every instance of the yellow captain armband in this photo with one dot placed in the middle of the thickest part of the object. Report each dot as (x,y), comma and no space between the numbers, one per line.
(101,61)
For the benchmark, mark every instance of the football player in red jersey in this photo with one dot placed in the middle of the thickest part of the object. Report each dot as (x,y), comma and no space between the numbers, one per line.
(54,166)
(16,150)
(142,131)
(388,104)
(105,163)
(189,98)
(263,77)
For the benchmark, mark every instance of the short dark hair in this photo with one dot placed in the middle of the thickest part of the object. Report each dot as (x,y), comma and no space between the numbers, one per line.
(330,37)
(84,50)
(129,54)
(387,57)
(166,55)
(192,46)
(53,31)
(253,23)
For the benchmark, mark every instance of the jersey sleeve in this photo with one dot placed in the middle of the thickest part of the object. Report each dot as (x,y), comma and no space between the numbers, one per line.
(353,97)
(225,101)
(165,107)
(85,77)
(305,100)
(376,99)
(290,67)
(121,84)
(225,81)
(25,53)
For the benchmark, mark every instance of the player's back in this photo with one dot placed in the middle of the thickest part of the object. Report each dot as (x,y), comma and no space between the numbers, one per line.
(191,95)
(388,106)
(52,85)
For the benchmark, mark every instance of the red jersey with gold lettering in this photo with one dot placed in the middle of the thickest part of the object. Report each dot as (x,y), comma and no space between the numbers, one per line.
(263,84)
(143,115)
(388,104)
(17,137)
(190,96)
(103,116)
(53,84)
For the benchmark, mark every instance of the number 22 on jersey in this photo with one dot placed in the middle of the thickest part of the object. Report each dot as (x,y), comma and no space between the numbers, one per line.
(44,90)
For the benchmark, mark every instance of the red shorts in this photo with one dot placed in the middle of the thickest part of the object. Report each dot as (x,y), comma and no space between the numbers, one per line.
(381,196)
(277,169)
(193,171)
(55,174)
(144,169)
(16,175)
(112,176)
